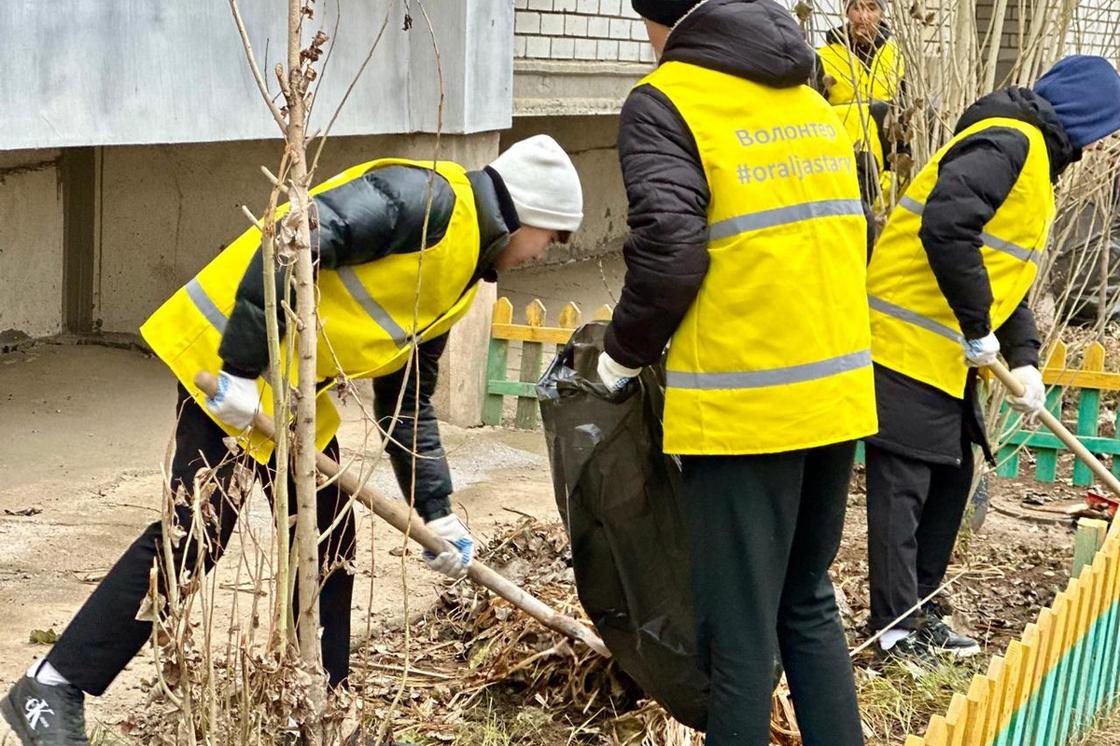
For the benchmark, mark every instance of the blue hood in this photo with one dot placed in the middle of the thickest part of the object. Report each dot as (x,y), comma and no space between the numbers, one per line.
(1085,94)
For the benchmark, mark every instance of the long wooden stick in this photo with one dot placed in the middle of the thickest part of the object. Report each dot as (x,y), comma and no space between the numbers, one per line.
(1063,434)
(401,517)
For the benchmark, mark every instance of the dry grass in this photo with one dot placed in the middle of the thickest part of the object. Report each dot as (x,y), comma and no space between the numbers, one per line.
(1104,732)
(900,698)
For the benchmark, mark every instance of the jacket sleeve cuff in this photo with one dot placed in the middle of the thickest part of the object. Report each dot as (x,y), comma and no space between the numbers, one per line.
(976,331)
(233,370)
(434,508)
(1018,357)
(617,353)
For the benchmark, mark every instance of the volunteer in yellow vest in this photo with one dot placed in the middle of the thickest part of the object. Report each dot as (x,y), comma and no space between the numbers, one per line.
(860,62)
(860,71)
(947,286)
(747,248)
(370,246)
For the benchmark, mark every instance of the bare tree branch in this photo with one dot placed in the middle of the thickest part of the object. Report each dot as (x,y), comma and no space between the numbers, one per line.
(253,66)
(349,89)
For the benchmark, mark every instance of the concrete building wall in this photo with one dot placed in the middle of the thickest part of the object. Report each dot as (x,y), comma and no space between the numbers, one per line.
(31,245)
(590,141)
(96,73)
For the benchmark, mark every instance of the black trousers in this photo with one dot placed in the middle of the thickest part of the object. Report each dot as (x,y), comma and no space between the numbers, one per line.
(105,635)
(765,530)
(914,512)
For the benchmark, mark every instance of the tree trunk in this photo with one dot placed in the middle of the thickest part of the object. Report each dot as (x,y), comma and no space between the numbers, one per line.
(298,231)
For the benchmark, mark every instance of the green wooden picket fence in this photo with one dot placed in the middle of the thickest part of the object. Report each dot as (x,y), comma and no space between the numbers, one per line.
(534,337)
(1087,383)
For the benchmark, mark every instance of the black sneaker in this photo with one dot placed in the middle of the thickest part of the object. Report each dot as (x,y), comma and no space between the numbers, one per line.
(43,715)
(943,639)
(912,647)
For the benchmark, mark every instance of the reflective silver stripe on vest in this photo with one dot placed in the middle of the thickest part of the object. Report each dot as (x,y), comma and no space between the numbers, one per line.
(206,306)
(774,377)
(359,293)
(783,215)
(911,204)
(996,243)
(904,314)
(1021,253)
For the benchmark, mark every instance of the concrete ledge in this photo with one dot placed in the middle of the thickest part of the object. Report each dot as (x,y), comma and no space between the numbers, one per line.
(543,88)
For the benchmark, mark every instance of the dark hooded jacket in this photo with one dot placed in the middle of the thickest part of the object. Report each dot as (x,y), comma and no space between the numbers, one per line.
(374,216)
(666,250)
(974,179)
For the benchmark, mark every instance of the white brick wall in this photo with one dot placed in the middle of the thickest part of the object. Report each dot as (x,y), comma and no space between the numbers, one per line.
(610,31)
(603,30)
(583,29)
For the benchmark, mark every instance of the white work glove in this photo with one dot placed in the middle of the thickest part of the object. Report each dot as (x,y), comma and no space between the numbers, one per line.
(614,375)
(454,561)
(1033,399)
(981,352)
(236,401)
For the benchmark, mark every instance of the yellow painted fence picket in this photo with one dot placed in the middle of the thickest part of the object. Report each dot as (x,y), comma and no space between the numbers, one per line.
(1051,683)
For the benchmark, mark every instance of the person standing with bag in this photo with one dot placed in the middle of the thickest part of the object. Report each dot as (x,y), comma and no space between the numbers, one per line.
(747,248)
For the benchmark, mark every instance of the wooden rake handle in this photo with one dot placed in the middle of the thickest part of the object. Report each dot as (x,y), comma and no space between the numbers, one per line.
(1063,434)
(401,517)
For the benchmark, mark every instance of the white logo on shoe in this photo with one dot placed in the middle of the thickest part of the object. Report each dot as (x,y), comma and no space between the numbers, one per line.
(34,709)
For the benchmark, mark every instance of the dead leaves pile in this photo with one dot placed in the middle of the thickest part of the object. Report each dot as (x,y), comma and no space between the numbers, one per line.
(472,647)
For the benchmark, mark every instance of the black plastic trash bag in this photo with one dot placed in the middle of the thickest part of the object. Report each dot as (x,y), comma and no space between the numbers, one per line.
(620,498)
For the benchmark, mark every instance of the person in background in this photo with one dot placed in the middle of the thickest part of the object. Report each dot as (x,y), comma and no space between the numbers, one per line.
(747,248)
(861,61)
(947,286)
(379,304)
(860,71)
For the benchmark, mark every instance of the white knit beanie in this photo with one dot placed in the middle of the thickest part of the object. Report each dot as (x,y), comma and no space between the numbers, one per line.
(543,183)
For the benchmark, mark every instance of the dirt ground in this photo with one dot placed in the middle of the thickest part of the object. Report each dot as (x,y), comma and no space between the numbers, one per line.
(83,432)
(85,429)
(1001,576)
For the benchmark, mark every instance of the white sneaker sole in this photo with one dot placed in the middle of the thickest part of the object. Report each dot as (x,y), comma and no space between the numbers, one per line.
(962,652)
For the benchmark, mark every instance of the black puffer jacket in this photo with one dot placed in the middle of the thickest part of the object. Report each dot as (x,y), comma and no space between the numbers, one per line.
(974,179)
(380,214)
(666,250)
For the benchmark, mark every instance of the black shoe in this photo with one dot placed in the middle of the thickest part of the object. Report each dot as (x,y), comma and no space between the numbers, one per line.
(943,639)
(911,648)
(43,715)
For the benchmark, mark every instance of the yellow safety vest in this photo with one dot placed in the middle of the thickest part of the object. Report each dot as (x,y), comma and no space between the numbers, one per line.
(878,81)
(366,311)
(913,328)
(864,133)
(774,354)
